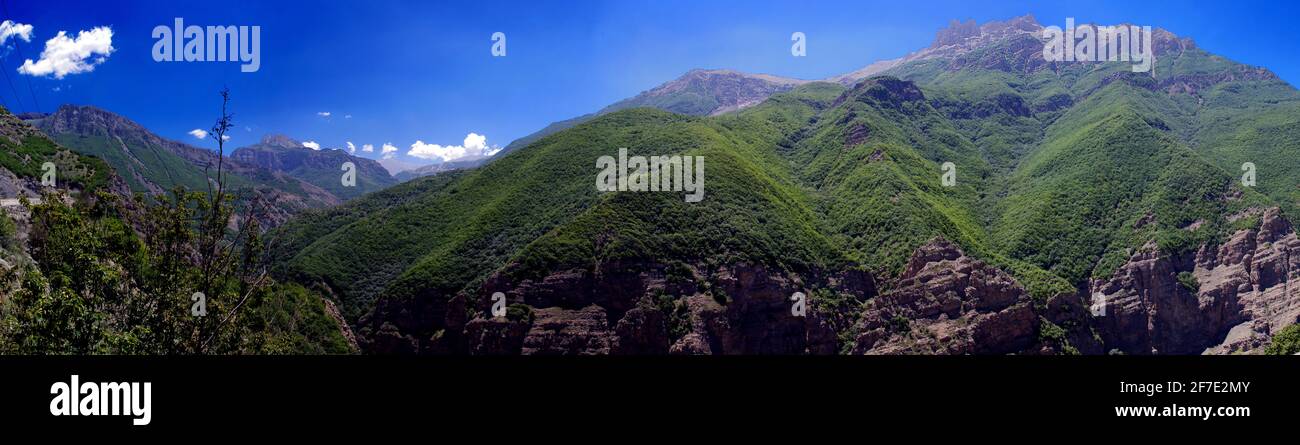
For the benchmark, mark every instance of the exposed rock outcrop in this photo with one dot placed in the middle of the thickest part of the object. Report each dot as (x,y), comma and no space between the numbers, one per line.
(1243,291)
(948,303)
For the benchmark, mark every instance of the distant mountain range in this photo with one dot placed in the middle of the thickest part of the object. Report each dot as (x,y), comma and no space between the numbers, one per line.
(1094,210)
(152,165)
(322,168)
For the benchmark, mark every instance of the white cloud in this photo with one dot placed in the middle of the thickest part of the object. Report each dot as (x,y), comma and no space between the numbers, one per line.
(225,137)
(351,148)
(323,113)
(198,134)
(312,145)
(347,116)
(389,151)
(10,29)
(367,148)
(474,145)
(64,56)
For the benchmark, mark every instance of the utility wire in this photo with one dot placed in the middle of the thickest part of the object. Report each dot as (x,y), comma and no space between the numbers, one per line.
(11,87)
(21,56)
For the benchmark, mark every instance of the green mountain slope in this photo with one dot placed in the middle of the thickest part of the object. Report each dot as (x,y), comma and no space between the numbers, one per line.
(1064,171)
(143,160)
(455,234)
(153,166)
(322,168)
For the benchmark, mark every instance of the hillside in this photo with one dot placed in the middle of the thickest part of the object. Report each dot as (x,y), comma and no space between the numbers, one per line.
(153,166)
(1087,199)
(85,270)
(322,168)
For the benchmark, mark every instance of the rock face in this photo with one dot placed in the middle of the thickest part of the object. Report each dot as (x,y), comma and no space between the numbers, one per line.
(629,308)
(948,303)
(944,303)
(126,143)
(1246,290)
(708,92)
(560,331)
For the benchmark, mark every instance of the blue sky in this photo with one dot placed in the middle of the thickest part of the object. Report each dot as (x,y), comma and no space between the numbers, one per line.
(423,71)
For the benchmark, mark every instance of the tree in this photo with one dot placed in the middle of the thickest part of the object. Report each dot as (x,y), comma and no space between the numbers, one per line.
(111,279)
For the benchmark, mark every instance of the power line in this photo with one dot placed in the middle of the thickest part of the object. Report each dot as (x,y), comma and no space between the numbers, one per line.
(22,56)
(11,87)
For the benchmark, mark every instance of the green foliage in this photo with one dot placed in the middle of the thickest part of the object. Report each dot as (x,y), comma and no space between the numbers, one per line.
(99,287)
(8,232)
(109,277)
(1051,334)
(289,319)
(1189,282)
(142,162)
(26,159)
(1062,175)
(1285,342)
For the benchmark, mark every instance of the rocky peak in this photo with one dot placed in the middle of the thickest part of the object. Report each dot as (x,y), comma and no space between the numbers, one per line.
(280,141)
(885,90)
(703,92)
(956,32)
(968,35)
(88,120)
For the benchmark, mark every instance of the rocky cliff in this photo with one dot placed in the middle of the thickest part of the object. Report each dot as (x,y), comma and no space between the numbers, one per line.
(1239,293)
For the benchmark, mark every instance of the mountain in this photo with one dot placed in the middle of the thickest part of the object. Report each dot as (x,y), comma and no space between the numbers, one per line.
(1092,210)
(699,92)
(395,166)
(148,163)
(152,165)
(441,167)
(89,272)
(24,152)
(322,168)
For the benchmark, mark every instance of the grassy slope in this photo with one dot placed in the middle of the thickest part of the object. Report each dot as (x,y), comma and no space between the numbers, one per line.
(152,164)
(1079,178)
(26,158)
(449,237)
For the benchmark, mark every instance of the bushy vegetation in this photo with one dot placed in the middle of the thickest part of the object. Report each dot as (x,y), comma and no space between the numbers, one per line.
(26,159)
(1063,173)
(1285,342)
(142,162)
(108,276)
